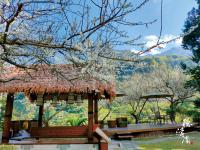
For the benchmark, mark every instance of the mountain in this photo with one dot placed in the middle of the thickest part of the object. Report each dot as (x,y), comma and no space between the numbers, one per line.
(172,57)
(179,51)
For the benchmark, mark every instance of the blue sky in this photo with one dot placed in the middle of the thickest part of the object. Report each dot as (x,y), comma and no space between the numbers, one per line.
(174,15)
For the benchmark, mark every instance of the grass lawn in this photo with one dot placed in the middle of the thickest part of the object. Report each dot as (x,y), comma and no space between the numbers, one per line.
(170,143)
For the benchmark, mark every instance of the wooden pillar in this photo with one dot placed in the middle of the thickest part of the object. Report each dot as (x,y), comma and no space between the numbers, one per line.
(96,111)
(40,115)
(7,118)
(103,145)
(40,103)
(90,117)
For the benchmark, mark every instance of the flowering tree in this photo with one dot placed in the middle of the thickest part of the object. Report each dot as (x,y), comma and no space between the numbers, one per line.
(159,79)
(134,88)
(172,82)
(78,32)
(83,33)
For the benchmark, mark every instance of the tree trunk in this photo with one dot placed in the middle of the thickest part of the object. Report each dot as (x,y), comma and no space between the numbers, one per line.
(136,118)
(106,115)
(172,116)
(172,112)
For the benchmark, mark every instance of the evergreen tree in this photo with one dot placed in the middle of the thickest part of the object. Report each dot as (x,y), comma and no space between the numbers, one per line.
(191,41)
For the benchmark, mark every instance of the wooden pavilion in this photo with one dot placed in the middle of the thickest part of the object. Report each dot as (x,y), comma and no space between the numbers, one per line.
(56,82)
(154,97)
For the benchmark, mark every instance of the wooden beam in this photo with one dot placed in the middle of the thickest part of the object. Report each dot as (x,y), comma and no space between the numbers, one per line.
(60,132)
(96,111)
(62,96)
(90,117)
(7,118)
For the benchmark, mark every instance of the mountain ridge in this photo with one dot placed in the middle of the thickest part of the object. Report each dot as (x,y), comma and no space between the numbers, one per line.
(176,51)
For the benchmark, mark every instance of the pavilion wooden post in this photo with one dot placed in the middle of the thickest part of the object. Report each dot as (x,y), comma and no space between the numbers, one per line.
(96,110)
(90,117)
(103,145)
(7,118)
(41,107)
(40,115)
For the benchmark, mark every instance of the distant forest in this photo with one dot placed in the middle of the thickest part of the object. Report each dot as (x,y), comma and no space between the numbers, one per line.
(147,63)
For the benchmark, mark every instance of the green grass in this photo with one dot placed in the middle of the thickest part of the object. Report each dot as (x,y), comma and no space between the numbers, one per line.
(8,147)
(170,143)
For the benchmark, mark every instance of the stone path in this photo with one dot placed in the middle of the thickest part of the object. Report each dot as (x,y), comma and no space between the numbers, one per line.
(123,145)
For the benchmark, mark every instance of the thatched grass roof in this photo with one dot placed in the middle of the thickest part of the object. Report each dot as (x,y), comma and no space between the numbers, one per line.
(51,79)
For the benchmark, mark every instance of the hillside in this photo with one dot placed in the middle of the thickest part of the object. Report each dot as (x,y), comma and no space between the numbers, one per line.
(176,51)
(149,61)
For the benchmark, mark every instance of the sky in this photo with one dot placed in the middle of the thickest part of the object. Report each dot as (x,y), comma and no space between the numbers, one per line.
(174,16)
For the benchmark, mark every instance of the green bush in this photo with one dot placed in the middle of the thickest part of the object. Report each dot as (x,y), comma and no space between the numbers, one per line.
(197,102)
(196,117)
(76,121)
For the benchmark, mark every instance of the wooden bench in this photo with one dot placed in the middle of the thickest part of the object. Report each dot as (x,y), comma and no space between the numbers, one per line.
(18,125)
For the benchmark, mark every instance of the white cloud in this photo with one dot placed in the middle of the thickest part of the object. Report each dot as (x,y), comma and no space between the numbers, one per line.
(152,40)
(151,37)
(179,41)
(175,43)
(154,52)
(135,51)
(168,37)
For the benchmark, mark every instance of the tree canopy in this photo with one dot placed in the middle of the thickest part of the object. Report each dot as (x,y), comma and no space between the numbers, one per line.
(82,33)
(191,41)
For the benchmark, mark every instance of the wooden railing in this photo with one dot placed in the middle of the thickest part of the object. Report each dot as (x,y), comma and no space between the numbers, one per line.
(59,132)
